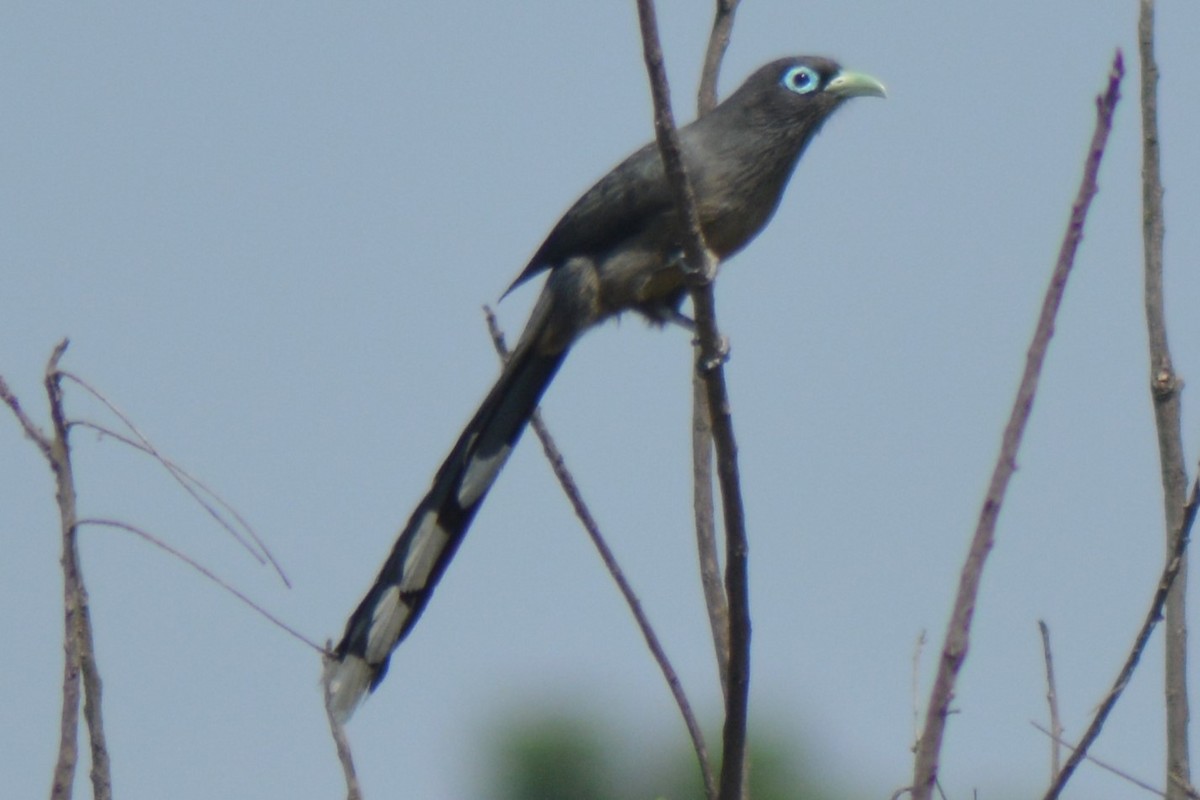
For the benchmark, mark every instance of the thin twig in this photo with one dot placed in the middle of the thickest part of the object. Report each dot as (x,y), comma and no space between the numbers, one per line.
(714,54)
(336,729)
(1056,729)
(715,602)
(703,505)
(1059,741)
(195,487)
(253,544)
(700,269)
(1153,615)
(1164,390)
(575,496)
(32,431)
(205,571)
(954,649)
(918,648)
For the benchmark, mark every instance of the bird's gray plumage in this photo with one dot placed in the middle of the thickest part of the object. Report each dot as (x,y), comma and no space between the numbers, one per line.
(616,249)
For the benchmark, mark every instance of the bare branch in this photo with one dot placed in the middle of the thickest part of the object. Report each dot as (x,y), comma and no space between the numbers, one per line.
(196,487)
(703,512)
(32,431)
(78,646)
(192,485)
(63,779)
(575,497)
(1169,573)
(205,571)
(700,268)
(718,43)
(1056,728)
(1188,790)
(1164,390)
(954,649)
(703,505)
(918,648)
(1057,740)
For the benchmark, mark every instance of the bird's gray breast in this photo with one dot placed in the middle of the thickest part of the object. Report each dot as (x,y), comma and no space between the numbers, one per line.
(738,183)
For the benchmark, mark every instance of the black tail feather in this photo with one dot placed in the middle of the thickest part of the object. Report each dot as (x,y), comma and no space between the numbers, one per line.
(436,528)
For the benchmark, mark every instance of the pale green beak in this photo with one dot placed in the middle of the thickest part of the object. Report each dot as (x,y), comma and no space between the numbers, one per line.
(855,84)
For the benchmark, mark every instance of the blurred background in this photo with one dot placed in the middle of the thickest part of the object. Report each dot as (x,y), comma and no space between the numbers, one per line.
(269,229)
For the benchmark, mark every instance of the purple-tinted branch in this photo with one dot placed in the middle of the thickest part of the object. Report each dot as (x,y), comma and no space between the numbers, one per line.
(954,649)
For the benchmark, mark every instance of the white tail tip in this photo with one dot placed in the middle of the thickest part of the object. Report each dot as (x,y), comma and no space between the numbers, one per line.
(346,681)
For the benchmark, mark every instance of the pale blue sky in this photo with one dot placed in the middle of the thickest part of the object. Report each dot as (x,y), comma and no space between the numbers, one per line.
(268,230)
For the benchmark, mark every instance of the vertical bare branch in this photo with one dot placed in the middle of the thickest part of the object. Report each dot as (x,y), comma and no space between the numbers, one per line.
(1056,729)
(79,659)
(954,649)
(1164,389)
(74,598)
(78,625)
(702,482)
(700,270)
(918,648)
(706,530)
(718,43)
(62,782)
(1169,574)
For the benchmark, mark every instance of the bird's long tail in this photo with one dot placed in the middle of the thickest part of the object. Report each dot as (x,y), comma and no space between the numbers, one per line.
(437,526)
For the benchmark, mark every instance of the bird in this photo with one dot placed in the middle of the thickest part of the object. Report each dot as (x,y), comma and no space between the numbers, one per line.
(617,248)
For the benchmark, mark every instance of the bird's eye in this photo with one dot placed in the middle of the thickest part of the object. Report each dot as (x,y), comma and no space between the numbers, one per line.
(801,80)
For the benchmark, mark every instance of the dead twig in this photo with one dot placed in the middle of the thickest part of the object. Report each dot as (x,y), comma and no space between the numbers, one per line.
(1153,615)
(192,485)
(714,54)
(954,649)
(1056,729)
(1059,741)
(575,497)
(918,648)
(205,571)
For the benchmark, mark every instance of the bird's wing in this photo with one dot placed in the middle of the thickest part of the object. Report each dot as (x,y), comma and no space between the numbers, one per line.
(619,206)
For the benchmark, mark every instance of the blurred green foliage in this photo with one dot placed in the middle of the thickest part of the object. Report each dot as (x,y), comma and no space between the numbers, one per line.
(559,756)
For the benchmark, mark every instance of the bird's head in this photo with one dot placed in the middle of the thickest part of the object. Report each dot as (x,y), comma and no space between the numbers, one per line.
(802,90)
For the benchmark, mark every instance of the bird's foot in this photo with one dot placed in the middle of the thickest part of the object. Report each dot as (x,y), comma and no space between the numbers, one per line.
(674,316)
